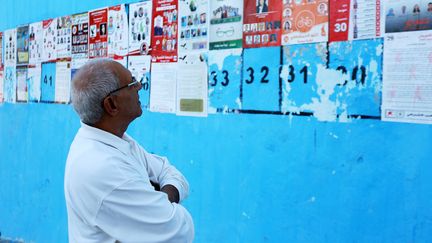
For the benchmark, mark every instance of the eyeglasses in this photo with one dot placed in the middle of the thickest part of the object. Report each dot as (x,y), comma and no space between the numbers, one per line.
(135,83)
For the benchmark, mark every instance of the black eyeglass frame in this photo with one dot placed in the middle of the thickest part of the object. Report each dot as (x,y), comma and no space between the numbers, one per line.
(134,82)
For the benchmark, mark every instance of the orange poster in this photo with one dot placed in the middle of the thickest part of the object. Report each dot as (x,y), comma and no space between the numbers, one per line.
(304,21)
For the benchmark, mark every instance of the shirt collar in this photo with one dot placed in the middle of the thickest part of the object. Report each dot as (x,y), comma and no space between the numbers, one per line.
(104,137)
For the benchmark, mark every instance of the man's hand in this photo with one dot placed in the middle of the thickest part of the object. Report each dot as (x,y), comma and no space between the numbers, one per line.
(173,193)
(170,190)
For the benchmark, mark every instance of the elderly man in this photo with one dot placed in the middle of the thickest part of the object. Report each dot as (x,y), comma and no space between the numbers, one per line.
(116,191)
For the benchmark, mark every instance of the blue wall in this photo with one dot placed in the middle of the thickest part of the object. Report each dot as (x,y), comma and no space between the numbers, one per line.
(254,178)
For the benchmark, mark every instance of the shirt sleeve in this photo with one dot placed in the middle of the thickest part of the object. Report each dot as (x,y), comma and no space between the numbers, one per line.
(134,212)
(161,171)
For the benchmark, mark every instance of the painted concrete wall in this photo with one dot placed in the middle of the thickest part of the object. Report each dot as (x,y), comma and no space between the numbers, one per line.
(253,177)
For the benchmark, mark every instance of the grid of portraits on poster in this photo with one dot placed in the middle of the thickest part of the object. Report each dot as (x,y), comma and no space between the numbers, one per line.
(300,57)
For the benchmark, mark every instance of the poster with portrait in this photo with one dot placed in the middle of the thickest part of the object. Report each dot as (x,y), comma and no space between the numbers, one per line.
(22,45)
(35,42)
(10,47)
(118,33)
(262,23)
(304,21)
(34,82)
(80,28)
(164,31)
(226,21)
(407,15)
(193,26)
(355,20)
(98,35)
(64,37)
(21,73)
(139,66)
(140,24)
(49,52)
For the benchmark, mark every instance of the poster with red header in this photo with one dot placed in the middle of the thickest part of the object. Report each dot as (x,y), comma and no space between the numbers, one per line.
(49,53)
(262,23)
(304,21)
(355,20)
(164,31)
(98,33)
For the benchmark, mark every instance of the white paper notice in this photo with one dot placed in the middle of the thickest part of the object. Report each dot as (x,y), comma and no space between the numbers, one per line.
(62,83)
(21,84)
(34,82)
(35,43)
(192,94)
(407,81)
(163,87)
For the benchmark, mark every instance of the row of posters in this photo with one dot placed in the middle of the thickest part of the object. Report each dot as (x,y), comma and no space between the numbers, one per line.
(172,38)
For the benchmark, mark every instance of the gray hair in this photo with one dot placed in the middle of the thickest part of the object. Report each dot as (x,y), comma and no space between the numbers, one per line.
(90,85)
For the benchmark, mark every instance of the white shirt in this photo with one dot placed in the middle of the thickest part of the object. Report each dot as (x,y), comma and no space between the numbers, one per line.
(109,197)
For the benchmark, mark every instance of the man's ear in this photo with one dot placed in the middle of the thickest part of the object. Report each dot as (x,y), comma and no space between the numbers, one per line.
(110,105)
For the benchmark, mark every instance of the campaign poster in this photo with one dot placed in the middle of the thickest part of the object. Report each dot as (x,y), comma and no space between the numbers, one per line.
(1,50)
(49,52)
(355,20)
(304,21)
(140,25)
(64,37)
(22,45)
(34,82)
(80,27)
(407,15)
(98,36)
(139,66)
(262,23)
(10,50)
(62,82)
(164,31)
(35,42)
(1,85)
(194,26)
(117,32)
(226,21)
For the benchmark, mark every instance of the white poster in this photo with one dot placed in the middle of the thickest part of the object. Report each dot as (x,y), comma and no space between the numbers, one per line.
(22,84)
(10,84)
(139,66)
(62,83)
(117,33)
(35,43)
(192,90)
(226,24)
(407,77)
(140,18)
(49,52)
(194,26)
(10,47)
(64,37)
(34,82)
(163,87)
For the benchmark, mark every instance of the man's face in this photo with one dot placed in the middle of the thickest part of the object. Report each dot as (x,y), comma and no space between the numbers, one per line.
(128,98)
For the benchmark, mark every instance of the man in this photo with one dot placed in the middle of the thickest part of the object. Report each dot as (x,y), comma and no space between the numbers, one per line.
(109,177)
